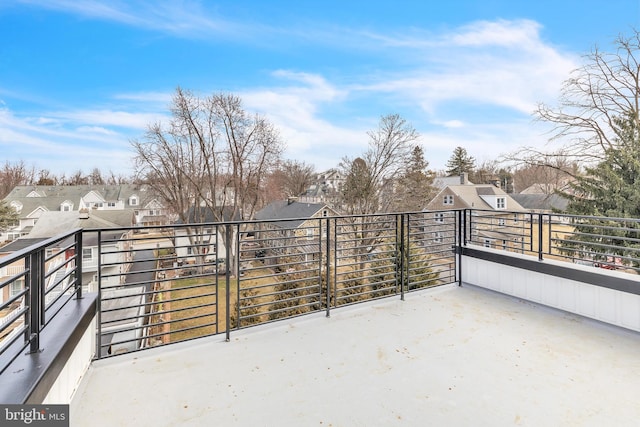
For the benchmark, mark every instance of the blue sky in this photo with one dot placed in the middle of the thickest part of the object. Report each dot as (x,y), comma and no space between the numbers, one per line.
(80,79)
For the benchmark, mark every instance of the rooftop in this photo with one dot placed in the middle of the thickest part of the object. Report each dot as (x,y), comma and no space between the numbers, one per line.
(445,356)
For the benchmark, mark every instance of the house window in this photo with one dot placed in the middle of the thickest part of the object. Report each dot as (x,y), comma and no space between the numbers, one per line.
(309,232)
(487,243)
(439,216)
(325,213)
(502,221)
(111,204)
(133,201)
(501,203)
(515,218)
(87,254)
(16,287)
(437,237)
(504,244)
(448,199)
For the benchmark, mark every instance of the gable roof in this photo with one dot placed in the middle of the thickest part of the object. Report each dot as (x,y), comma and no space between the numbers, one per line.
(52,196)
(54,223)
(283,209)
(470,196)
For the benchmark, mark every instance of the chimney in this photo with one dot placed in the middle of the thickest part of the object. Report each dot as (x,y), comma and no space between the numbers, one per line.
(83,214)
(464,178)
(291,199)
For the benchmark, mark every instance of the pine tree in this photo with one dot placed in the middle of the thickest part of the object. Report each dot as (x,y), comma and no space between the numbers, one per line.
(414,189)
(8,216)
(460,162)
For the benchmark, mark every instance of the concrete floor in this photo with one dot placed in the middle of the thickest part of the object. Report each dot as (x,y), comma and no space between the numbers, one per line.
(451,356)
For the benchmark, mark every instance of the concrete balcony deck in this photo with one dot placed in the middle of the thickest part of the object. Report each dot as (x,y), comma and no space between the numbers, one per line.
(448,356)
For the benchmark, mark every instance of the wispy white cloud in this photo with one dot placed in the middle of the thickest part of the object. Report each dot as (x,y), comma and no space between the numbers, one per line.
(179,17)
(452,81)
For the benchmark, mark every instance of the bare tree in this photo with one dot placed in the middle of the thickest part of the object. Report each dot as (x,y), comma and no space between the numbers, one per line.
(605,88)
(546,173)
(366,177)
(212,154)
(45,177)
(13,174)
(296,177)
(390,148)
(95,177)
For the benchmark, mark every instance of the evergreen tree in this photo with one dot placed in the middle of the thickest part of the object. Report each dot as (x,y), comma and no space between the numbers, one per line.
(414,188)
(8,216)
(460,162)
(609,189)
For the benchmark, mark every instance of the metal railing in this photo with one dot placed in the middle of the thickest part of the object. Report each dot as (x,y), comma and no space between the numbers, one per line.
(42,279)
(167,284)
(164,284)
(609,243)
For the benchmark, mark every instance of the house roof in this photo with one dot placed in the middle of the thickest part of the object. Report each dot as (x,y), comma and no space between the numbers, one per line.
(471,196)
(55,223)
(204,214)
(283,209)
(19,244)
(447,181)
(542,202)
(51,197)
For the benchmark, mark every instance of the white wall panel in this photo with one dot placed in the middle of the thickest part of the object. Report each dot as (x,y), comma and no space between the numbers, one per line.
(607,305)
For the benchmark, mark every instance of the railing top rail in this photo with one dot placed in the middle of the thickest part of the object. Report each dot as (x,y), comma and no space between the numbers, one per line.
(262,221)
(22,253)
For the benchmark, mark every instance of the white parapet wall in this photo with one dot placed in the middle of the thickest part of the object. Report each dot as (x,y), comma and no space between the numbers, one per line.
(69,378)
(590,300)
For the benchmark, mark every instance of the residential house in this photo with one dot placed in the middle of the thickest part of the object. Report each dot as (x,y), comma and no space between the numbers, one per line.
(325,189)
(115,250)
(499,218)
(300,230)
(31,201)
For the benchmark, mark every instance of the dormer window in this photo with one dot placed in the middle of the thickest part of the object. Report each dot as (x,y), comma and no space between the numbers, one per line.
(501,203)
(133,200)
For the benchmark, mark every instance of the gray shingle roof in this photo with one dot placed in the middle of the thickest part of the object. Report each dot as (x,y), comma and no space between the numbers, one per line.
(297,211)
(544,202)
(52,196)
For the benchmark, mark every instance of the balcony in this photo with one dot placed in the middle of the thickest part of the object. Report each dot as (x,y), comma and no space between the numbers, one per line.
(463,318)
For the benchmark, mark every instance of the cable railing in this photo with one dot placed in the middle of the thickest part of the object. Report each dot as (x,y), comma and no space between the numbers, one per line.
(160,285)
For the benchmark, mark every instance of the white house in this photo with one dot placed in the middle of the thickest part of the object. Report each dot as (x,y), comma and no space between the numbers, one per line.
(31,201)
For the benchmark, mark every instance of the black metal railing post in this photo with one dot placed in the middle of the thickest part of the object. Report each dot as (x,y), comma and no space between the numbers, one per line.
(540,237)
(228,286)
(35,280)
(78,263)
(461,231)
(400,252)
(99,298)
(328,266)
